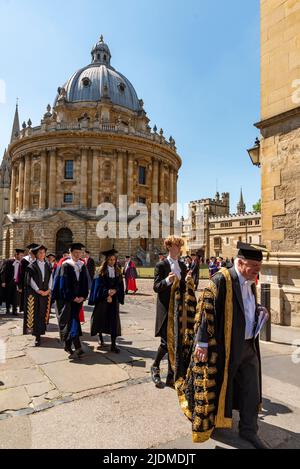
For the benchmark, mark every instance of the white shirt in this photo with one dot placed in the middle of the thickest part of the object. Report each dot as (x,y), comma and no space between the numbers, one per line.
(175,269)
(41,265)
(249,303)
(16,265)
(111,271)
(76,265)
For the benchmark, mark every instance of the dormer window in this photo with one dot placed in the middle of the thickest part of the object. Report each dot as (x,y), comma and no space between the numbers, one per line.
(86,82)
(121,87)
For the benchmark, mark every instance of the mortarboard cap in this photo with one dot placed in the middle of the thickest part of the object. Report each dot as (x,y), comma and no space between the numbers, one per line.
(18,251)
(38,248)
(252,252)
(76,246)
(32,246)
(110,252)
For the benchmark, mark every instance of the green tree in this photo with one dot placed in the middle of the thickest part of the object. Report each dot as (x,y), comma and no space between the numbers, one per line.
(257,206)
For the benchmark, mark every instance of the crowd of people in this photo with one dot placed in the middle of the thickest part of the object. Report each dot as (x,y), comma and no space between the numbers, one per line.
(213,348)
(32,283)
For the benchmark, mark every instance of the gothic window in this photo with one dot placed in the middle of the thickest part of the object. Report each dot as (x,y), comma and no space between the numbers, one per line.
(250,222)
(69,169)
(257,222)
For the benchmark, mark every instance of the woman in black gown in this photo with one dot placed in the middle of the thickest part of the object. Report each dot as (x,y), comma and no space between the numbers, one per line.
(107,293)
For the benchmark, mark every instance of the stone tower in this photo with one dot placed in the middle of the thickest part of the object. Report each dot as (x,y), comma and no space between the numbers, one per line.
(279,155)
(241,206)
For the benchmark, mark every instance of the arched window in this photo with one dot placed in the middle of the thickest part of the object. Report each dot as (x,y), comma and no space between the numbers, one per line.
(64,238)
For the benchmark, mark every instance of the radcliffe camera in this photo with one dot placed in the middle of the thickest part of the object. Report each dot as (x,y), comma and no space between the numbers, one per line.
(149,226)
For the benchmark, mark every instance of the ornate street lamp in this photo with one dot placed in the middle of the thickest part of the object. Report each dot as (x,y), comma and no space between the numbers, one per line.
(254,153)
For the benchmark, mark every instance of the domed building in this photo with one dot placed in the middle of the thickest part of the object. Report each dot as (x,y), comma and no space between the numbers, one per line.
(92,146)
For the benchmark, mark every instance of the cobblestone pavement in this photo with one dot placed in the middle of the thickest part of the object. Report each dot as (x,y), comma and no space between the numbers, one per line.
(42,389)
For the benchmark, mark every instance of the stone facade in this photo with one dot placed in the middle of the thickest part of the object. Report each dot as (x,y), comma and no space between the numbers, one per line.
(279,155)
(83,154)
(210,230)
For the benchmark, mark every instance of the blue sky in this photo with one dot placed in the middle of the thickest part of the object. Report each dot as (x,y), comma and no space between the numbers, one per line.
(195,63)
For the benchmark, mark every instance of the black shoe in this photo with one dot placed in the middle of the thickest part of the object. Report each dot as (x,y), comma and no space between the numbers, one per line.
(155,376)
(80,352)
(170,383)
(68,349)
(255,440)
(114,349)
(74,355)
(15,313)
(37,341)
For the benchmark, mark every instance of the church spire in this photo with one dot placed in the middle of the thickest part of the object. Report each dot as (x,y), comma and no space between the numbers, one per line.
(16,125)
(241,206)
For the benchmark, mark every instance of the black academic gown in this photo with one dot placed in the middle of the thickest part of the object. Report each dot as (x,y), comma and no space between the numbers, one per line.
(106,316)
(237,336)
(66,288)
(36,307)
(21,281)
(162,270)
(9,294)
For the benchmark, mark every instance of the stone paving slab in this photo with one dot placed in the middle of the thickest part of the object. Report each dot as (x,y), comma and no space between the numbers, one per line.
(15,364)
(14,378)
(38,389)
(13,399)
(42,355)
(88,373)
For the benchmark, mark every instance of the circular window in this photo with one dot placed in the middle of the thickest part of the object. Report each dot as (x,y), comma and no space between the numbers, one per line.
(86,82)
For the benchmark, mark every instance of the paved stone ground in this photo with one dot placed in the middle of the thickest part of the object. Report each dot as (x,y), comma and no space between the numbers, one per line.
(47,401)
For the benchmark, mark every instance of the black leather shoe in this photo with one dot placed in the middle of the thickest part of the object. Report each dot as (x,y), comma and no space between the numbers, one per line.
(255,440)
(37,341)
(155,375)
(74,355)
(114,349)
(170,383)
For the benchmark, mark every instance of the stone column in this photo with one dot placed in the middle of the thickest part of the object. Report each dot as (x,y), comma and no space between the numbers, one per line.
(27,183)
(83,182)
(154,181)
(171,191)
(130,179)
(13,189)
(175,185)
(52,177)
(95,179)
(21,185)
(161,182)
(43,181)
(120,174)
(59,181)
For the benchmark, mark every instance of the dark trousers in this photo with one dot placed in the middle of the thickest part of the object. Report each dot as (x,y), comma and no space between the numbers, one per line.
(13,298)
(163,350)
(75,341)
(248,386)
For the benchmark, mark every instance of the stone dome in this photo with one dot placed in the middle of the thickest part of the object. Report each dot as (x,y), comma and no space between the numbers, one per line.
(100,81)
